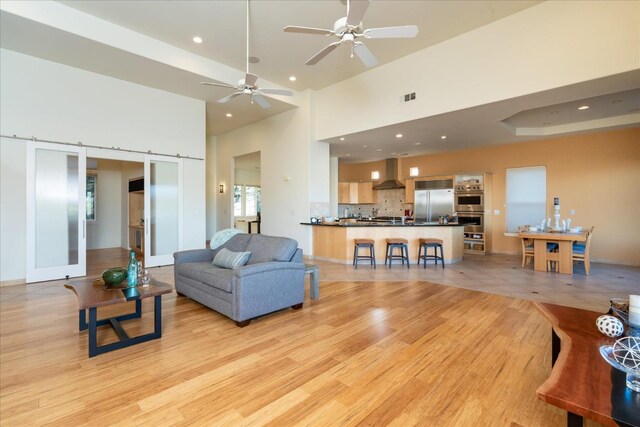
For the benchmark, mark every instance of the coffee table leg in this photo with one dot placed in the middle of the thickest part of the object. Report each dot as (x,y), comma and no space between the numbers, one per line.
(573,420)
(157,315)
(82,317)
(93,331)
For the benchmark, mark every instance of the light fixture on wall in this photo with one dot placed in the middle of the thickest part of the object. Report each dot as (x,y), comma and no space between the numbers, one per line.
(414,171)
(375,175)
(221,188)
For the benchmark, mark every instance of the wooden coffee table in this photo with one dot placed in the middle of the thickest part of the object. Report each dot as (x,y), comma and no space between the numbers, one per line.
(94,294)
(581,382)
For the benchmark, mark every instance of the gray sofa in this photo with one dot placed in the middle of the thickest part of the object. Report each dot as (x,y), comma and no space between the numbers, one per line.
(272,279)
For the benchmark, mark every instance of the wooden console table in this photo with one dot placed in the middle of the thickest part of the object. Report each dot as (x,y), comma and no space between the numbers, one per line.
(581,382)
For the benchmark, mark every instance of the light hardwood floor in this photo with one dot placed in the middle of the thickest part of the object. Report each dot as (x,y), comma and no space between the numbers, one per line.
(384,348)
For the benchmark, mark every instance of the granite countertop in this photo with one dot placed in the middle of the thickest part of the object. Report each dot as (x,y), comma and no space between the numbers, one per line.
(383,224)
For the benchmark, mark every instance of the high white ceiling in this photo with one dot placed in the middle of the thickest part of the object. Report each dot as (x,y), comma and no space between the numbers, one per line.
(221,24)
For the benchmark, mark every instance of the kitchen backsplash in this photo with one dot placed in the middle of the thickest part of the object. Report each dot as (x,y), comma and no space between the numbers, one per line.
(390,203)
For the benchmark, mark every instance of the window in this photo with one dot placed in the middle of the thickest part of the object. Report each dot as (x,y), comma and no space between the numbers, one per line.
(92,182)
(247,200)
(525,197)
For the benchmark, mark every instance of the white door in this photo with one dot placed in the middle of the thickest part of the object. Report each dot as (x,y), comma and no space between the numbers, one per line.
(56,209)
(162,209)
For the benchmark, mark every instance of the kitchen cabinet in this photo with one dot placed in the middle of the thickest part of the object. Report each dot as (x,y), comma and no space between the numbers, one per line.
(347,192)
(409,190)
(366,194)
(356,192)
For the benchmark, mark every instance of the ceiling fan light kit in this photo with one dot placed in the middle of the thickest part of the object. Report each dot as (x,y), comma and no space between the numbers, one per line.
(247,86)
(349,28)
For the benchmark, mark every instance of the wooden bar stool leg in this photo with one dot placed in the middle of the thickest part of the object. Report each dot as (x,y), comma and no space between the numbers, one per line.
(372,251)
(442,255)
(355,256)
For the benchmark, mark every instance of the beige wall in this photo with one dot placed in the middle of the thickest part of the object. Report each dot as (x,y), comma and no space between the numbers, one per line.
(597,175)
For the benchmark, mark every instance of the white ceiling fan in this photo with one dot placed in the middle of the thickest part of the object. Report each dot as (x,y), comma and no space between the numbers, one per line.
(247,86)
(349,28)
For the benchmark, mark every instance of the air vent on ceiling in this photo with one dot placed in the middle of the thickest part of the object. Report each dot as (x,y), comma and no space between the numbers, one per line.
(409,97)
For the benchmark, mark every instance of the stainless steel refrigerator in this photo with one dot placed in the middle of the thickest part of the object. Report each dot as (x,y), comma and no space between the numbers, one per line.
(432,200)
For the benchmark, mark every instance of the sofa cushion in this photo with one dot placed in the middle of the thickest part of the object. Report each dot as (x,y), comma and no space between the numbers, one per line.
(206,273)
(228,259)
(269,248)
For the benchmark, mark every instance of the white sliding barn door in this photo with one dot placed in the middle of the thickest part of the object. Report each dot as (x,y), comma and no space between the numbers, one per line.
(162,209)
(56,209)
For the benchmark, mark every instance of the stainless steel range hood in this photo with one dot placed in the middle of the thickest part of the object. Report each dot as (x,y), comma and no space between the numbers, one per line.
(391,179)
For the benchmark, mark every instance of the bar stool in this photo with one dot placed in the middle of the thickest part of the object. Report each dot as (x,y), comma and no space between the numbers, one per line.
(404,251)
(430,243)
(364,243)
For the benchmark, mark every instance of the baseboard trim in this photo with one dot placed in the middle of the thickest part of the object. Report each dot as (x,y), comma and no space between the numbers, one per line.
(12,282)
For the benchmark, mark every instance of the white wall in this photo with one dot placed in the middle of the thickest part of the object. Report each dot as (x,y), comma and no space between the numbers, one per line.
(550,45)
(13,201)
(285,144)
(211,186)
(57,102)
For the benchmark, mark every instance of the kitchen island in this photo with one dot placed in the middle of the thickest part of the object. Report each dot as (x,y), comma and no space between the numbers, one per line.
(333,241)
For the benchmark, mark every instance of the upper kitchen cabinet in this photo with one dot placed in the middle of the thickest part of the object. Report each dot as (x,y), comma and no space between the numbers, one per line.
(356,193)
(366,193)
(409,189)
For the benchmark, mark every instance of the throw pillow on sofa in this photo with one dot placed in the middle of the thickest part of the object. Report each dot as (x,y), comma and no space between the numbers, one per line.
(228,259)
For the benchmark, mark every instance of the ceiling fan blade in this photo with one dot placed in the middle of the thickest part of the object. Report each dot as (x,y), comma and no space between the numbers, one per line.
(276,92)
(250,79)
(307,30)
(229,97)
(261,101)
(365,55)
(324,52)
(356,11)
(219,85)
(402,32)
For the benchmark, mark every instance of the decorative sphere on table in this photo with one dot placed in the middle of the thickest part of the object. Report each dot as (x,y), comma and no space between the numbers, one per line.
(609,325)
(626,351)
(114,275)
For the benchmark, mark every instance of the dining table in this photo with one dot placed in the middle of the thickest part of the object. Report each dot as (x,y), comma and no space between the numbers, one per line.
(564,256)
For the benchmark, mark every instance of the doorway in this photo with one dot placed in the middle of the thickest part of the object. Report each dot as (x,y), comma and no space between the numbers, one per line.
(247,193)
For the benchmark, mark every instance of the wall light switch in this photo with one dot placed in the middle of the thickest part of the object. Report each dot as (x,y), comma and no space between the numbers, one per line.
(572,212)
(496,212)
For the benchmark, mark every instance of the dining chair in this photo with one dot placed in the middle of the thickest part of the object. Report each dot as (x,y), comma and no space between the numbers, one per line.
(528,251)
(527,247)
(581,252)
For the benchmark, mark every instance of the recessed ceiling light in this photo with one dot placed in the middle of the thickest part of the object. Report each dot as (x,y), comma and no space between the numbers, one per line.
(292,78)
(229,115)
(394,153)
(365,146)
(347,155)
(417,143)
(342,139)
(583,107)
(399,135)
(254,59)
(378,149)
(197,39)
(443,137)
